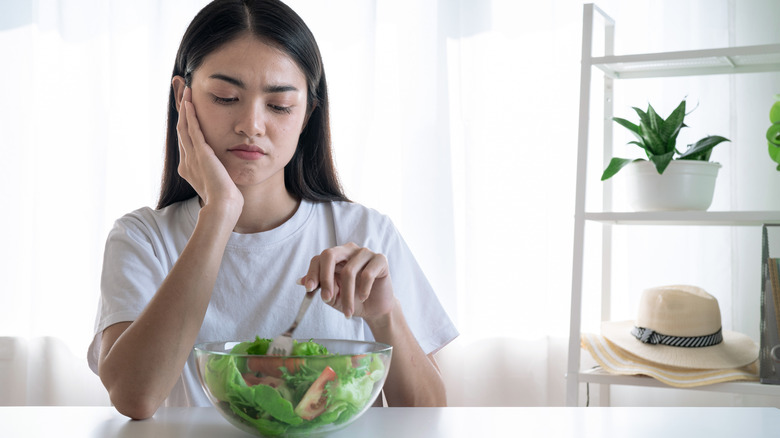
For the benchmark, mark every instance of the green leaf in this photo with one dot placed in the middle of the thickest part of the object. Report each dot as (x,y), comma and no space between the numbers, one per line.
(309,348)
(662,161)
(702,149)
(259,346)
(342,365)
(672,126)
(302,380)
(773,133)
(656,122)
(642,115)
(644,123)
(354,392)
(641,145)
(774,112)
(630,126)
(653,142)
(774,152)
(271,401)
(221,374)
(337,411)
(614,166)
(643,118)
(266,427)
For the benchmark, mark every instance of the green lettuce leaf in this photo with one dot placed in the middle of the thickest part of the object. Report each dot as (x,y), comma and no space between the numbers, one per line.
(272,402)
(259,346)
(309,348)
(221,376)
(353,387)
(355,392)
(301,380)
(271,410)
(265,426)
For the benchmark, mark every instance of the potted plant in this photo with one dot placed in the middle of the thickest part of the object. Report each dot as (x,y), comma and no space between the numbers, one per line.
(773,133)
(668,179)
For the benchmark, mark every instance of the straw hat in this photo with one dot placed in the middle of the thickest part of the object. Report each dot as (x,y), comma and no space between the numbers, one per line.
(680,326)
(615,360)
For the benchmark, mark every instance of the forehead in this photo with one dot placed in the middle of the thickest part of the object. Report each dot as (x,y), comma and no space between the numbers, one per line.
(253,61)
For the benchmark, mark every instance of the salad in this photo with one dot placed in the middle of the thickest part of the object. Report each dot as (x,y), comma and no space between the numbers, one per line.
(280,395)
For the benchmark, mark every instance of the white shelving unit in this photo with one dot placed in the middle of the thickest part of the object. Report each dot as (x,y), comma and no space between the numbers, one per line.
(731,60)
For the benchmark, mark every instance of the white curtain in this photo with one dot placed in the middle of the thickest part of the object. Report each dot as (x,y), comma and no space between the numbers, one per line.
(455,117)
(81,133)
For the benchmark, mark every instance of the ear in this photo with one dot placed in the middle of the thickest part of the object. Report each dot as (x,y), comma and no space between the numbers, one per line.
(178,85)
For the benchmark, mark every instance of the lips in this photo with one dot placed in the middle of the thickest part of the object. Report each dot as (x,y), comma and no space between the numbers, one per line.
(247,151)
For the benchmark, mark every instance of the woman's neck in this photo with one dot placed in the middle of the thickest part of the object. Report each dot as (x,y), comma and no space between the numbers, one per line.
(264,210)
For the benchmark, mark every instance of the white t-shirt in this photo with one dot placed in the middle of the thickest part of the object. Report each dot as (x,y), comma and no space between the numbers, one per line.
(256,291)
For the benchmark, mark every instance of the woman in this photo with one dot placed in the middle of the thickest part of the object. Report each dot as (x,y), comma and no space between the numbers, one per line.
(250,209)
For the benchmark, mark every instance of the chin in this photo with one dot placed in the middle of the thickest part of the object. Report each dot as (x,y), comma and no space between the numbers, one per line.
(251,177)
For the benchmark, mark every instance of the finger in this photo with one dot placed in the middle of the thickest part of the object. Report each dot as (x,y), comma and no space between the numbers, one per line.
(182,151)
(329,261)
(182,126)
(377,267)
(326,267)
(311,279)
(193,126)
(349,278)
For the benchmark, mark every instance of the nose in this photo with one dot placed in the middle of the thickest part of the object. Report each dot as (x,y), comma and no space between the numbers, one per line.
(250,122)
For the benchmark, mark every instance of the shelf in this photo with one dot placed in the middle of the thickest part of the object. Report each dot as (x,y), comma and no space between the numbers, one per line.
(715,218)
(746,59)
(730,60)
(600,376)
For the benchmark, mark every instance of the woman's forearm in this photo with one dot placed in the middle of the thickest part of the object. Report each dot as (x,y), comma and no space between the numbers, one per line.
(145,360)
(414,379)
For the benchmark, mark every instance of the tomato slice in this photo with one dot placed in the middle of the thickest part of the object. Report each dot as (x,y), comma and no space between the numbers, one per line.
(313,402)
(270,365)
(251,379)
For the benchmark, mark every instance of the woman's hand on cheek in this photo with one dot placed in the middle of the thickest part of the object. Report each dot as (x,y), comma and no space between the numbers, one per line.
(353,280)
(199,165)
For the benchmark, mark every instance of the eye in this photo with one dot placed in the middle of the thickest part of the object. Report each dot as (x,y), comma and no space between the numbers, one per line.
(223,100)
(280,109)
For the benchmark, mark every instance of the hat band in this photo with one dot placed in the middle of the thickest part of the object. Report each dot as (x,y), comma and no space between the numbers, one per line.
(649,336)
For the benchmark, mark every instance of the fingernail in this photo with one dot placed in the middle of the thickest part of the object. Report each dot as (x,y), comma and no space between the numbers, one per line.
(348,314)
(299,281)
(309,285)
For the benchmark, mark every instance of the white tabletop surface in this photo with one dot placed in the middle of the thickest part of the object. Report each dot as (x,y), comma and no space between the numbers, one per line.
(105,422)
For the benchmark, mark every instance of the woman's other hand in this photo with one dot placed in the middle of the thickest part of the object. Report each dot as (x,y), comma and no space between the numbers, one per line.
(353,280)
(356,281)
(199,165)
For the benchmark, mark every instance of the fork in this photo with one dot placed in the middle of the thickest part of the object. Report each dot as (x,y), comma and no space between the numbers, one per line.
(282,344)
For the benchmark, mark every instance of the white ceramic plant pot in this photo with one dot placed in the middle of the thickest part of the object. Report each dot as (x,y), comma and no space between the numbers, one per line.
(684,185)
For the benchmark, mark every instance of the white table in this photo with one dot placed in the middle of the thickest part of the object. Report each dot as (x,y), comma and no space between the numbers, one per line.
(105,422)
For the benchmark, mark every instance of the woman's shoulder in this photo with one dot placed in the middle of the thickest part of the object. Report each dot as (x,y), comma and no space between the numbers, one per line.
(355,222)
(354,213)
(181,214)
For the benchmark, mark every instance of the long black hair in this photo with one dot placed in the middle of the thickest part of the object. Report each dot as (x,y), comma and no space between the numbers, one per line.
(310,174)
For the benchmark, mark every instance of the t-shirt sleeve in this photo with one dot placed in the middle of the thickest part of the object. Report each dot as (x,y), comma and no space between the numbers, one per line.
(132,273)
(424,313)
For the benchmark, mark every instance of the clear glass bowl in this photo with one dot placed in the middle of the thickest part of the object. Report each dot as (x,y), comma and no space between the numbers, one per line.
(293,395)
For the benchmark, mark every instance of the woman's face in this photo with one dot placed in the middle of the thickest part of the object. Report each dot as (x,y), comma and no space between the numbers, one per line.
(250,100)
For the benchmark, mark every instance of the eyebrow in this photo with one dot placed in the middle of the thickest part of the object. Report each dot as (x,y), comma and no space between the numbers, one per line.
(273,88)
